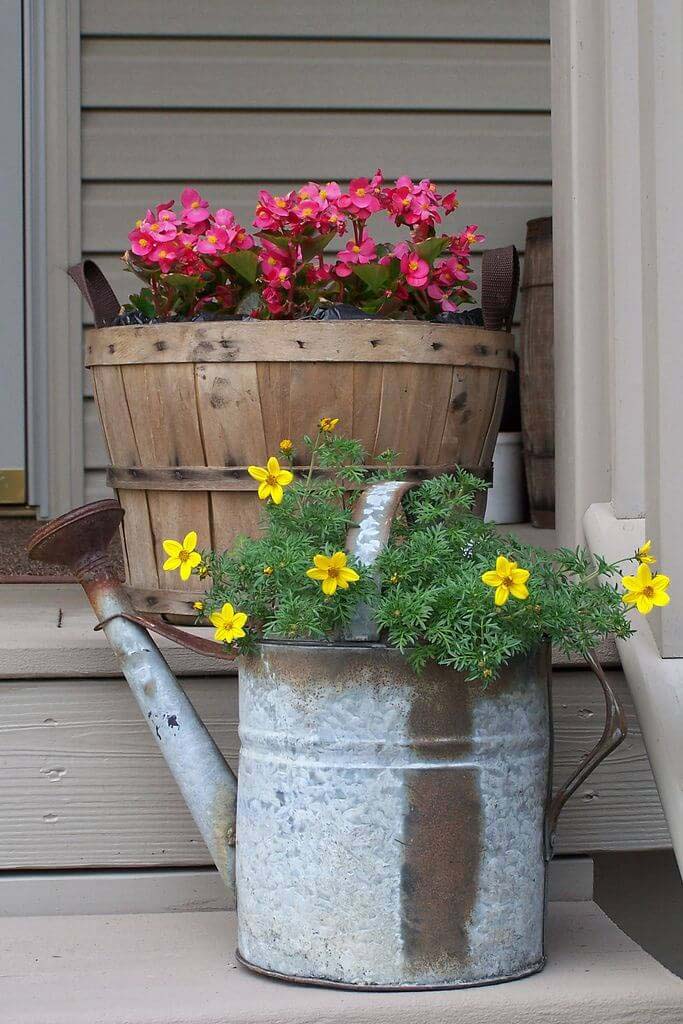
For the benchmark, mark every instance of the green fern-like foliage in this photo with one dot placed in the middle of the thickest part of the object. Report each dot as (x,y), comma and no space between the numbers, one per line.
(426,590)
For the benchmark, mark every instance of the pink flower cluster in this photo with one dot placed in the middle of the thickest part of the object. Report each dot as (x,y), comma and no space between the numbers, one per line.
(178,241)
(286,273)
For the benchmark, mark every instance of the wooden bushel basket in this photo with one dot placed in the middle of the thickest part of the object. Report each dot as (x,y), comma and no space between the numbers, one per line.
(186,407)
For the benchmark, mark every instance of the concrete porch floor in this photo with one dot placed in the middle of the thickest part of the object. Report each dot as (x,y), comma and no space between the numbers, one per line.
(181,969)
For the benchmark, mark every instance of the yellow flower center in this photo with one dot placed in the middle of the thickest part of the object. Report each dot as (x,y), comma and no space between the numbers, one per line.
(406,200)
(271,480)
(183,555)
(648,592)
(360,191)
(280,203)
(507,581)
(333,573)
(307,211)
(212,238)
(195,205)
(412,265)
(282,275)
(323,193)
(154,226)
(356,248)
(143,243)
(271,261)
(162,254)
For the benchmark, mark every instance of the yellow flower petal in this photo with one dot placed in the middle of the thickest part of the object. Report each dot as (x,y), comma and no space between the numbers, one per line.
(221,633)
(239,620)
(276,493)
(190,541)
(185,570)
(330,585)
(519,591)
(216,619)
(349,575)
(660,599)
(284,477)
(264,491)
(644,604)
(273,466)
(643,575)
(172,547)
(520,575)
(322,561)
(317,574)
(629,598)
(502,565)
(491,578)
(660,582)
(194,559)
(630,583)
(502,594)
(257,472)
(338,560)
(227,611)
(171,563)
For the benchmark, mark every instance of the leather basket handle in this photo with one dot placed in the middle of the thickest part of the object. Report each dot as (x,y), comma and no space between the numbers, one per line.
(614,732)
(96,291)
(499,284)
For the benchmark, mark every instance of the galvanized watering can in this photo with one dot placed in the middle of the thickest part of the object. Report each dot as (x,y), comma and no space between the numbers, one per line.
(389,831)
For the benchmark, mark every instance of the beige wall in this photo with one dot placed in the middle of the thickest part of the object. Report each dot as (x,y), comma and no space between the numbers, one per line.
(456,91)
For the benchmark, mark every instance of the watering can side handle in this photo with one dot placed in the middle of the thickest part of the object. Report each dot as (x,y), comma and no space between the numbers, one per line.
(198,644)
(614,732)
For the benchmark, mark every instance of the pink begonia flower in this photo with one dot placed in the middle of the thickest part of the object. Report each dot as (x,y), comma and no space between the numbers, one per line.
(166,254)
(280,277)
(141,242)
(239,239)
(354,253)
(273,300)
(450,202)
(377,181)
(415,270)
(471,235)
(307,211)
(450,271)
(401,249)
(360,201)
(195,209)
(224,218)
(215,240)
(329,193)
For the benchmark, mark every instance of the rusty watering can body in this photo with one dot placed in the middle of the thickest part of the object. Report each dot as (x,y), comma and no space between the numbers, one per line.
(393,830)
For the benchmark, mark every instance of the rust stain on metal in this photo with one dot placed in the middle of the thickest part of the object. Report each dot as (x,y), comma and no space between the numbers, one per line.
(443,825)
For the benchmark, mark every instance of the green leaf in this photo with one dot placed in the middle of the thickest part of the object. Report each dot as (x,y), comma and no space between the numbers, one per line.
(431,248)
(311,247)
(185,281)
(281,241)
(244,262)
(143,302)
(374,275)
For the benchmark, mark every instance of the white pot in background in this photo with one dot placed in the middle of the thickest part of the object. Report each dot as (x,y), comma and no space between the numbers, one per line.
(507,499)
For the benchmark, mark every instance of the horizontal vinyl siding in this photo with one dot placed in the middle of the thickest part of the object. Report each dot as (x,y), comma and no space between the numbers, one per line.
(320,19)
(250,95)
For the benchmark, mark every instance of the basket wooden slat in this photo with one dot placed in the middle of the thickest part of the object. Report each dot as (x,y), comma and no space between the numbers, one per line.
(184,411)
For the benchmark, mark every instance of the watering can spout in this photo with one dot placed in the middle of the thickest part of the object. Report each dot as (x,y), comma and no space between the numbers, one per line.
(80,540)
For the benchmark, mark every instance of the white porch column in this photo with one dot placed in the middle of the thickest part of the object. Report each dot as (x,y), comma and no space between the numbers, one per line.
(617,109)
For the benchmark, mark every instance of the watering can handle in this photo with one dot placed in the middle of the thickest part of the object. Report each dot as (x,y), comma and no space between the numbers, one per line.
(198,644)
(614,732)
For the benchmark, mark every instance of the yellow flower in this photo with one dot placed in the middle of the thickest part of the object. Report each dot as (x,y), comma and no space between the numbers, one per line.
(182,555)
(286,445)
(328,424)
(271,479)
(395,578)
(332,572)
(508,579)
(198,606)
(643,554)
(228,623)
(268,570)
(645,590)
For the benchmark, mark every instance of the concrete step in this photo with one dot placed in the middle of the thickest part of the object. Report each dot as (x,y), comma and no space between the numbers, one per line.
(181,969)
